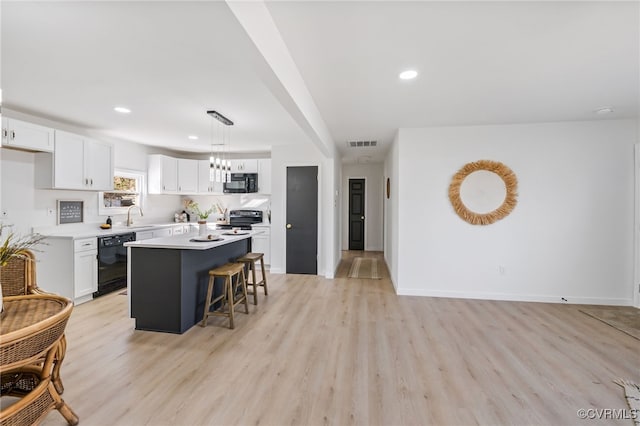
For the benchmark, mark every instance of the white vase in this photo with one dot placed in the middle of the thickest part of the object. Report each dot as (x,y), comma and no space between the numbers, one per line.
(202,228)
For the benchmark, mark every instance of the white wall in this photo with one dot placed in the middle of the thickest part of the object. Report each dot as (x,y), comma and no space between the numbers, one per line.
(374,184)
(570,236)
(338,208)
(303,155)
(391,211)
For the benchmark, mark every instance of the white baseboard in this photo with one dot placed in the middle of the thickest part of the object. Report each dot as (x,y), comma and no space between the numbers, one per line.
(273,270)
(515,297)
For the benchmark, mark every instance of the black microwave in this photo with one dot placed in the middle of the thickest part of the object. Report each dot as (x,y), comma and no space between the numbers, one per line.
(242,183)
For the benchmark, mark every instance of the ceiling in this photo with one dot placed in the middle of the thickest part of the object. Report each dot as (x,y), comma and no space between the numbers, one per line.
(169,62)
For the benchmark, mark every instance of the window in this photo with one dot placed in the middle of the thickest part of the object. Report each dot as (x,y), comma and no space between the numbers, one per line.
(127,191)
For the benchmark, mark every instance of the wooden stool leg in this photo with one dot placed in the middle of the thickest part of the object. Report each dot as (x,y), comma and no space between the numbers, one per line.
(229,287)
(264,276)
(207,302)
(244,290)
(252,266)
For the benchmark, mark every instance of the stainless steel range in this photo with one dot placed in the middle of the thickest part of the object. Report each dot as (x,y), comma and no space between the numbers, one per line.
(242,219)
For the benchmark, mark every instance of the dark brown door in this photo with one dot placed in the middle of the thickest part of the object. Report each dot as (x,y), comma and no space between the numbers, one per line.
(302,220)
(356,214)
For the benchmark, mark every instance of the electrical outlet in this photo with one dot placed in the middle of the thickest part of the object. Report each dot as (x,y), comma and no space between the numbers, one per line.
(501,269)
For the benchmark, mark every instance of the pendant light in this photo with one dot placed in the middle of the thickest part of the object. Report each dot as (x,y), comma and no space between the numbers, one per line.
(219,166)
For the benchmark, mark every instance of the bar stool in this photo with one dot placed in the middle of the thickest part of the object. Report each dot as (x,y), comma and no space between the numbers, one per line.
(250,259)
(228,272)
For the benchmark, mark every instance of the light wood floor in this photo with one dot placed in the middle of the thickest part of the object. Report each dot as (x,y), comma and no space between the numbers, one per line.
(347,351)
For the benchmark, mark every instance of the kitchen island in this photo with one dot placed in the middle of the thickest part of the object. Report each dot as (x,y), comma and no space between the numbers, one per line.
(168,278)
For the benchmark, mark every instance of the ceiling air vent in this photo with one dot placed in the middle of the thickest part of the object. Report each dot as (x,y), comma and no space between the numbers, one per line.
(361,144)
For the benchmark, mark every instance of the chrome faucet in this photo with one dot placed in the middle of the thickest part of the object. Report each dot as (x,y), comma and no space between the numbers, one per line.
(129,221)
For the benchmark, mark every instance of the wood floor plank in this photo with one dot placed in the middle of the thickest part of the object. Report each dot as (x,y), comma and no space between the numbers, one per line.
(348,352)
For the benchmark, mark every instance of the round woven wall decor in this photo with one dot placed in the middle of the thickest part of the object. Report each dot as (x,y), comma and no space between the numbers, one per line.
(509,203)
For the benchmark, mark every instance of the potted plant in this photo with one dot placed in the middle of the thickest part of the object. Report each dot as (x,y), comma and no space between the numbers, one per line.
(203,215)
(15,246)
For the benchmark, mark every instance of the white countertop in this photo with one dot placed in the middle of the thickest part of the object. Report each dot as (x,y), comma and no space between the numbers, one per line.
(185,241)
(94,230)
(89,231)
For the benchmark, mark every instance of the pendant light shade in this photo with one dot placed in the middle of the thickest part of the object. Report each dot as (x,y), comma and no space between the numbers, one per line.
(219,167)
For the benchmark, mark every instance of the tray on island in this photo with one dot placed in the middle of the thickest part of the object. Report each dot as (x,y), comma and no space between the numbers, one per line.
(235,233)
(205,239)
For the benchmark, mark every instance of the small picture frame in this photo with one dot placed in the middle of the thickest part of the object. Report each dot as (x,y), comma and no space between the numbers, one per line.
(70,211)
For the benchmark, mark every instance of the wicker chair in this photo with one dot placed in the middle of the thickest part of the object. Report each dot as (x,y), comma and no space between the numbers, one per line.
(18,278)
(28,349)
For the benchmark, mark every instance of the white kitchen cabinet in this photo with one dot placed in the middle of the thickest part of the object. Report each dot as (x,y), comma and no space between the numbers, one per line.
(162,174)
(183,228)
(162,232)
(69,267)
(24,135)
(187,176)
(264,176)
(156,233)
(85,268)
(244,166)
(261,243)
(144,235)
(78,162)
(205,186)
(98,165)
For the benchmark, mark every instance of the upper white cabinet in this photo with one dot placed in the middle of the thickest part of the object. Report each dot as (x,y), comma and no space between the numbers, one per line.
(244,166)
(168,175)
(162,174)
(187,176)
(98,164)
(205,185)
(23,135)
(78,162)
(264,176)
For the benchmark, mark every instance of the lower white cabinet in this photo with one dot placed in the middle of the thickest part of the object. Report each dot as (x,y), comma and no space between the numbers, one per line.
(183,228)
(154,233)
(162,232)
(261,243)
(68,267)
(85,268)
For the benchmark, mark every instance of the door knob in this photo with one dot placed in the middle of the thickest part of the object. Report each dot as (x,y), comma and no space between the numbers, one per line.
(289,226)
(362,217)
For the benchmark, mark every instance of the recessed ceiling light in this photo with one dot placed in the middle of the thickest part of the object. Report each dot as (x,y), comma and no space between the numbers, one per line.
(193,137)
(122,110)
(604,110)
(408,74)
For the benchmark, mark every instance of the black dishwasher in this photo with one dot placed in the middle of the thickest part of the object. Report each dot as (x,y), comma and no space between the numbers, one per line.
(112,262)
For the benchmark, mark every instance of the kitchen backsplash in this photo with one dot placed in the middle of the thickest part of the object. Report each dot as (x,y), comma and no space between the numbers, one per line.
(232,202)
